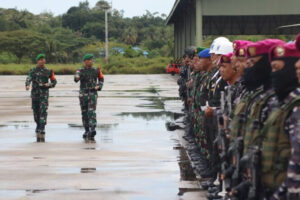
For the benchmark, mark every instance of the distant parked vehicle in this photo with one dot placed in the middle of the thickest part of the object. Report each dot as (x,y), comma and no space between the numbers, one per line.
(173,69)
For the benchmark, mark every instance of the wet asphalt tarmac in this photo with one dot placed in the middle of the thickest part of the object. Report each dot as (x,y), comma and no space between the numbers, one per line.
(134,156)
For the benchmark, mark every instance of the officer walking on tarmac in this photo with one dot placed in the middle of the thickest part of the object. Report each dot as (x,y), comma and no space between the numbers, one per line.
(40,76)
(91,81)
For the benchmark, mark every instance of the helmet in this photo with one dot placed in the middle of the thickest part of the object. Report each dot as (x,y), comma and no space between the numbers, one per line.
(224,48)
(190,51)
(216,42)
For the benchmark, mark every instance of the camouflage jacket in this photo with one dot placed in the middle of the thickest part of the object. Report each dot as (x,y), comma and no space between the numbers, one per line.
(277,136)
(39,77)
(89,79)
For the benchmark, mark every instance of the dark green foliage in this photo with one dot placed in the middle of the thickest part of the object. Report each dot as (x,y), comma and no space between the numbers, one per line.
(65,38)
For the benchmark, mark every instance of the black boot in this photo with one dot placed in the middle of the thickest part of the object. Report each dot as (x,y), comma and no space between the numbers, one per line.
(37,128)
(42,136)
(92,133)
(38,136)
(86,133)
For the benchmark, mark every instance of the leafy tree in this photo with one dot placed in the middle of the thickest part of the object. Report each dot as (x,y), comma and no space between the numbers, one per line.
(130,36)
(22,43)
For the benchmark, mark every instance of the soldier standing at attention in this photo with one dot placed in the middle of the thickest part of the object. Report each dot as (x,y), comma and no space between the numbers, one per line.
(91,81)
(39,76)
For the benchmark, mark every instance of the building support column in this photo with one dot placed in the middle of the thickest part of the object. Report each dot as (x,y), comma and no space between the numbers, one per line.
(199,15)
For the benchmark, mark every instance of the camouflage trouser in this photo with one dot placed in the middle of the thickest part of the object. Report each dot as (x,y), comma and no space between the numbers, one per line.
(200,134)
(88,104)
(40,107)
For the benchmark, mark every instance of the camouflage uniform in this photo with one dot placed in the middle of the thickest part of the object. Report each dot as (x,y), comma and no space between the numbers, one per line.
(290,189)
(198,115)
(279,133)
(39,76)
(89,79)
(201,98)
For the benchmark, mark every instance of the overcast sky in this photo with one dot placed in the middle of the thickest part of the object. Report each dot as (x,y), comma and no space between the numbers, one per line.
(130,7)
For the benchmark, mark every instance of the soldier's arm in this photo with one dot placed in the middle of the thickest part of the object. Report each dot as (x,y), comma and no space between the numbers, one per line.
(100,79)
(52,79)
(77,76)
(29,78)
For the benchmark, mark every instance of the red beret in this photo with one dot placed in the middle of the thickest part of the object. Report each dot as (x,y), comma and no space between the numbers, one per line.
(225,58)
(284,51)
(262,47)
(298,42)
(239,47)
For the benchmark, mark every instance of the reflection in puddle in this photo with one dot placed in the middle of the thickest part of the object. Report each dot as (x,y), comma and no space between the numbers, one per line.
(186,170)
(87,170)
(90,148)
(38,158)
(12,193)
(134,123)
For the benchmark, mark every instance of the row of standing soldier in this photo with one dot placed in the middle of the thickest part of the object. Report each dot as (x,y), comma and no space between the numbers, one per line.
(42,79)
(243,117)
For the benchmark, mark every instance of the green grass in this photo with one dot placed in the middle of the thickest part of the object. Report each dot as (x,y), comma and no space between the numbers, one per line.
(117,65)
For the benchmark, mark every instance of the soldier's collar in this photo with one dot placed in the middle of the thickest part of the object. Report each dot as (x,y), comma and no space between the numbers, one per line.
(292,95)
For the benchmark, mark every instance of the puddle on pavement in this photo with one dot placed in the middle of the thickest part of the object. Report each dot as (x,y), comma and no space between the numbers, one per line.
(12,193)
(133,122)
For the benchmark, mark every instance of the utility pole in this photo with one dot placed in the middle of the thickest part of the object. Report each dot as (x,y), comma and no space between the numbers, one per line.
(106,37)
(107,10)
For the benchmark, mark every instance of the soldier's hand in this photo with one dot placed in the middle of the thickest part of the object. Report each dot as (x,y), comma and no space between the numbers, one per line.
(27,87)
(77,77)
(47,85)
(209,112)
(97,88)
(190,101)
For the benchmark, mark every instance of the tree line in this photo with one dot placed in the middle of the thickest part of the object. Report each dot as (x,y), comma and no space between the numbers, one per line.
(65,38)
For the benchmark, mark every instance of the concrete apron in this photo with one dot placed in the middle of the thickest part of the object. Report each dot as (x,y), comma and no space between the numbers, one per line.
(134,156)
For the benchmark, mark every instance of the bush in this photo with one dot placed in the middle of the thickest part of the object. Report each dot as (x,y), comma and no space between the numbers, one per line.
(117,65)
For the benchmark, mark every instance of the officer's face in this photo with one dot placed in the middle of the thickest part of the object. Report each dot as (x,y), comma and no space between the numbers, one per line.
(240,65)
(214,58)
(186,60)
(251,61)
(205,63)
(198,66)
(195,60)
(227,71)
(89,63)
(277,65)
(297,65)
(192,64)
(41,62)
(233,60)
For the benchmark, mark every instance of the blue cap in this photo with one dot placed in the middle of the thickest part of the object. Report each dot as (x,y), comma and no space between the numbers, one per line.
(204,54)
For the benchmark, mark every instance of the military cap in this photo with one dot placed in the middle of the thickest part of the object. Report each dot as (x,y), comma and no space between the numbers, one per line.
(284,51)
(204,54)
(226,58)
(199,49)
(261,47)
(239,47)
(88,56)
(40,56)
(190,51)
(298,42)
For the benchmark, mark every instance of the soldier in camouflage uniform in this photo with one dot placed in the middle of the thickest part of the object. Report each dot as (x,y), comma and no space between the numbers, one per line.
(91,81)
(39,77)
(215,84)
(287,117)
